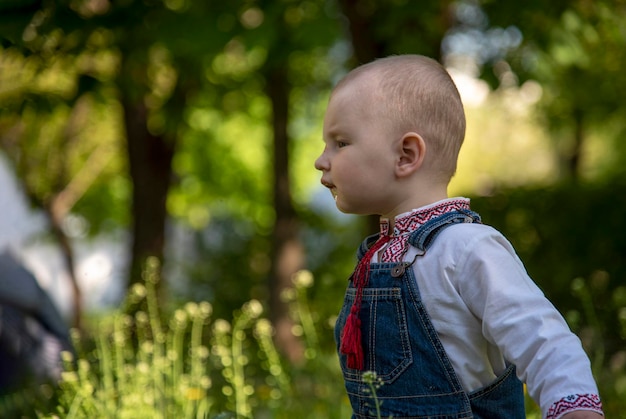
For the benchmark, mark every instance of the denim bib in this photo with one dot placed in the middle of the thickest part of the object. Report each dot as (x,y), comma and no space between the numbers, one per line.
(401,346)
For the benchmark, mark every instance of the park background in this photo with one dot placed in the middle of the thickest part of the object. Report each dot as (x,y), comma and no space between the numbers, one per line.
(163,151)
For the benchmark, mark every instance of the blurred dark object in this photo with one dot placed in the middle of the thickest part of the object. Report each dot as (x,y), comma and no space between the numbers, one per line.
(32,332)
(15,15)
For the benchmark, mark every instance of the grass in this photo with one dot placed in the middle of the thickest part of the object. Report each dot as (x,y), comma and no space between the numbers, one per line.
(138,368)
(194,366)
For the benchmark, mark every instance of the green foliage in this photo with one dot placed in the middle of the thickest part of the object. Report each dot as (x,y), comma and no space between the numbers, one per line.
(195,365)
(373,384)
(52,131)
(574,50)
(139,368)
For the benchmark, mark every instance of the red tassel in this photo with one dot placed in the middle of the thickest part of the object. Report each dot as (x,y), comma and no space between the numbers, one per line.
(351,345)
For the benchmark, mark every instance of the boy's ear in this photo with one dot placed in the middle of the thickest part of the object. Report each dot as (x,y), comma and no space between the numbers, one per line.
(412,150)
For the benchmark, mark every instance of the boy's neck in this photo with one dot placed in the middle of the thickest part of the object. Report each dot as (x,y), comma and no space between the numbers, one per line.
(420,198)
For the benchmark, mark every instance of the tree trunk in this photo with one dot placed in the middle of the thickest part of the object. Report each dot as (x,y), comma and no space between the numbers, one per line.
(150,166)
(574,158)
(361,21)
(56,219)
(287,252)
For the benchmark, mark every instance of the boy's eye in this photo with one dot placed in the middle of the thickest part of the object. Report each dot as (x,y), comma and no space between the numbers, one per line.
(341,144)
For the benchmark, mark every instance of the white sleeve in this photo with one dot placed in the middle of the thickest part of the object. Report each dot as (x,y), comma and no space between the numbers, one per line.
(518,319)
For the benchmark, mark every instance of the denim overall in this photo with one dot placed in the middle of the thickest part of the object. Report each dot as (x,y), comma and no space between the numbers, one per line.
(401,346)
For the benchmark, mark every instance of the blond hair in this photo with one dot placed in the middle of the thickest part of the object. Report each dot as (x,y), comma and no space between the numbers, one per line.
(418,95)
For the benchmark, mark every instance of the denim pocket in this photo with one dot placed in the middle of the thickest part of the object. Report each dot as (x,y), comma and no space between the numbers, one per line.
(384,330)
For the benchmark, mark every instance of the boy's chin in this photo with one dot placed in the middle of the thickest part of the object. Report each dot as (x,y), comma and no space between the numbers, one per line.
(347,210)
(342,208)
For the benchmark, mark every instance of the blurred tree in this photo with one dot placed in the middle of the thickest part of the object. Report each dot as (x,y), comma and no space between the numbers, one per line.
(153,73)
(379,28)
(42,125)
(287,249)
(575,50)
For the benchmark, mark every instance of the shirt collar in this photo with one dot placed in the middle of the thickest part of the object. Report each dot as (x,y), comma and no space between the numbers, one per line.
(410,221)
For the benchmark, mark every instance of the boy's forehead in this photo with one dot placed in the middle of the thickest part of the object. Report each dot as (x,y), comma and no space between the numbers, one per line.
(360,91)
(350,98)
(350,106)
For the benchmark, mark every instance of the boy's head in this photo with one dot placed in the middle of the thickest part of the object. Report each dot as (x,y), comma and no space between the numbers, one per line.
(402,112)
(415,93)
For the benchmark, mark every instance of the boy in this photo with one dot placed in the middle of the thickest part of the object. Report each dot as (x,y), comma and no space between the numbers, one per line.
(439,305)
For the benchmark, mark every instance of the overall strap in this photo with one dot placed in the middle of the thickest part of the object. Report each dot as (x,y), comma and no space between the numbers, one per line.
(425,235)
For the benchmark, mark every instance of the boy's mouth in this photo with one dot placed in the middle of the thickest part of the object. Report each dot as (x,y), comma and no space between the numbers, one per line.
(331,188)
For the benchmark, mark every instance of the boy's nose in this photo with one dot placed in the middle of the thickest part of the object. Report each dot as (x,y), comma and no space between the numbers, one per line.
(322,162)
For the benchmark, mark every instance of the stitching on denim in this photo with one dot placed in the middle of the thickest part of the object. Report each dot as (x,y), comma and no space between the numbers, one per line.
(431,334)
(391,296)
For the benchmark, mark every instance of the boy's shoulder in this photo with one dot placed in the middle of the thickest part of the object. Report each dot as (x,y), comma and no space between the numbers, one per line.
(470,236)
(469,230)
(473,244)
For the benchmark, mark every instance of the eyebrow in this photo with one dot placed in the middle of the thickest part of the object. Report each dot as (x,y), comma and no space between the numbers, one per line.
(335,128)
(332,135)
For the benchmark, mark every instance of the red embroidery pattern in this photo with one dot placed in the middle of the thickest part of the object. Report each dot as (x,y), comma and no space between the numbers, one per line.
(575,402)
(407,224)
